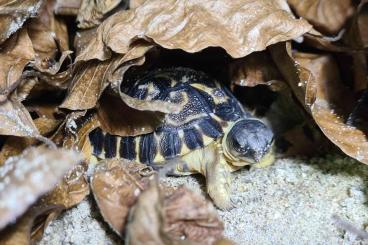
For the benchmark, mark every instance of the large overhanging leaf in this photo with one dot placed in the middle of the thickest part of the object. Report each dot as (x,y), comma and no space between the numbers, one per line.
(239,26)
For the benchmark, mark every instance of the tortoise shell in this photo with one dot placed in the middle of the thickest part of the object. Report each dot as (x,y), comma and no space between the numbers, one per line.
(207,109)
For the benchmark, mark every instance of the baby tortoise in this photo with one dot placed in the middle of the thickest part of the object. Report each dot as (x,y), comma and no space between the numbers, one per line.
(212,134)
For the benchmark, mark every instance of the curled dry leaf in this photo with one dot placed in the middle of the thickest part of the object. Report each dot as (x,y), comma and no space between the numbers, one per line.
(71,190)
(14,55)
(116,185)
(300,80)
(92,77)
(16,120)
(73,134)
(330,111)
(24,178)
(13,14)
(20,233)
(162,217)
(48,34)
(15,145)
(91,12)
(254,69)
(117,118)
(328,16)
(193,25)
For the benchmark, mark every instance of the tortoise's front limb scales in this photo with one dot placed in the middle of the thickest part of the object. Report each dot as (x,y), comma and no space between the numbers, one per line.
(210,162)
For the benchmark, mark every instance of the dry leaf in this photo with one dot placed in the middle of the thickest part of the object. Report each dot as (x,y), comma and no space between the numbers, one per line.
(330,111)
(24,178)
(82,38)
(92,77)
(71,190)
(48,34)
(356,37)
(328,16)
(87,85)
(20,233)
(254,69)
(73,132)
(157,218)
(14,13)
(300,80)
(190,216)
(16,120)
(14,55)
(15,145)
(91,12)
(67,7)
(117,118)
(116,185)
(193,25)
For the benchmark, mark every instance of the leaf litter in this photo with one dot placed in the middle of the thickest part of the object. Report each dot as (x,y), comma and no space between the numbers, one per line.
(64,63)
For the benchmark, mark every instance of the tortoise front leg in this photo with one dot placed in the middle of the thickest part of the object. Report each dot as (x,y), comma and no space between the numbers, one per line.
(218,177)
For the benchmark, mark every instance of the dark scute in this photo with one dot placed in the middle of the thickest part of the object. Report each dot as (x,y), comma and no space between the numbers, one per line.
(211,128)
(170,144)
(110,145)
(193,139)
(231,110)
(147,148)
(96,138)
(127,148)
(228,111)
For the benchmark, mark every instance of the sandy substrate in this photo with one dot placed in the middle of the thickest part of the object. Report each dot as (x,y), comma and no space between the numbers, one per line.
(291,202)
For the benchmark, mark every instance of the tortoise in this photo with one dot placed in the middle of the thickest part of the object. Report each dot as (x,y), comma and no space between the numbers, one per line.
(212,134)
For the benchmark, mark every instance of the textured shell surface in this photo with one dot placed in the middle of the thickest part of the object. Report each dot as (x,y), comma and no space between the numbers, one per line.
(207,110)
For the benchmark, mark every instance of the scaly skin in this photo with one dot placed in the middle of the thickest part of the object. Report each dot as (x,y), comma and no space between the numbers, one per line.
(210,162)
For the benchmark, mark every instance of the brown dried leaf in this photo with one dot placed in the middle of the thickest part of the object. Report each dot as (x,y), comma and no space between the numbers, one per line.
(13,14)
(24,178)
(48,34)
(16,120)
(117,118)
(67,7)
(157,218)
(15,54)
(88,83)
(91,12)
(189,215)
(71,190)
(116,185)
(73,134)
(82,38)
(20,233)
(300,80)
(15,145)
(254,69)
(92,77)
(195,25)
(328,16)
(330,111)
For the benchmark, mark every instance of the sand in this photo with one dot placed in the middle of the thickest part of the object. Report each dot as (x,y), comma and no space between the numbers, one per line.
(292,202)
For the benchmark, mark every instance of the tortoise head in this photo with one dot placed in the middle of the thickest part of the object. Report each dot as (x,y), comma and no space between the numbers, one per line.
(249,141)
